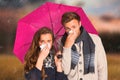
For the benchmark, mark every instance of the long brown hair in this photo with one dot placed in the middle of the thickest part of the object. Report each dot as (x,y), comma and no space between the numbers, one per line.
(33,52)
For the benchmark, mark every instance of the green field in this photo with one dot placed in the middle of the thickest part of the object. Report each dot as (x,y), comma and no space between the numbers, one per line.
(12,69)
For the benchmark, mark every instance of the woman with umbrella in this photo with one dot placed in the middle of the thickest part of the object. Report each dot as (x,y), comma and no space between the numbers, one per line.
(41,62)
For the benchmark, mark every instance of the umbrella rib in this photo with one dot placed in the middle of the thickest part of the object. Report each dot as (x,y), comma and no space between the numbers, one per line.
(61,27)
(50,18)
(58,31)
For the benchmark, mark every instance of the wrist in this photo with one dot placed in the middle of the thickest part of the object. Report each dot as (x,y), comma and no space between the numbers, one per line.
(59,69)
(68,45)
(39,64)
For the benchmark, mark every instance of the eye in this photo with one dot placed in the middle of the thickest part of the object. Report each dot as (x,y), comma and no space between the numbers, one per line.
(73,27)
(41,41)
(49,41)
(67,29)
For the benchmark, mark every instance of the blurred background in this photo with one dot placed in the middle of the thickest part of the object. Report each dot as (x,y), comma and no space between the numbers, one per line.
(104,15)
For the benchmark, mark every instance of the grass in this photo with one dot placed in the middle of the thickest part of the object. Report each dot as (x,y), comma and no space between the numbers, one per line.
(12,69)
(113,66)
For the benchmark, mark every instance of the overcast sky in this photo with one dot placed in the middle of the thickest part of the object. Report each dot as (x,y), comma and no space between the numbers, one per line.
(97,7)
(94,7)
(111,7)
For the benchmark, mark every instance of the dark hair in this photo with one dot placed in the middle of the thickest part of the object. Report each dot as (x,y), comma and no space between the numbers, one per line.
(33,52)
(68,16)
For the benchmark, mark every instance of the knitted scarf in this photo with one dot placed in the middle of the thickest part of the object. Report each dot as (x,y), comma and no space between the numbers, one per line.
(88,51)
(49,61)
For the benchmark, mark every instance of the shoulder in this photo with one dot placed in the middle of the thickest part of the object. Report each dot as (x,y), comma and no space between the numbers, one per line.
(97,41)
(96,38)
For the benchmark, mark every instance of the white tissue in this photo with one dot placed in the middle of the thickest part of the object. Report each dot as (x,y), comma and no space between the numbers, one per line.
(48,44)
(71,31)
(44,45)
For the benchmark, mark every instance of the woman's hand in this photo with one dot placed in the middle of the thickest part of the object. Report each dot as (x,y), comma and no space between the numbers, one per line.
(58,62)
(42,55)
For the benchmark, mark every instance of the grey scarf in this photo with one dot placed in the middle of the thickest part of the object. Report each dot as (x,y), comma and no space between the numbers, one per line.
(88,51)
(49,61)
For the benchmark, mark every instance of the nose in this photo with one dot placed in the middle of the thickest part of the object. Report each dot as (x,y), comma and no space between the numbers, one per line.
(68,30)
(45,42)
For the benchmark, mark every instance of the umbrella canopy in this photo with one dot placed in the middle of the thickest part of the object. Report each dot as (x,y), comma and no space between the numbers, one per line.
(48,14)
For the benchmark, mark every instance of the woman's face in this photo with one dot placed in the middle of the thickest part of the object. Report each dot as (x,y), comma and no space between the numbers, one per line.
(46,39)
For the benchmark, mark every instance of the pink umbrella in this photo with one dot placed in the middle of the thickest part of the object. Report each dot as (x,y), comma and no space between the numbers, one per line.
(48,14)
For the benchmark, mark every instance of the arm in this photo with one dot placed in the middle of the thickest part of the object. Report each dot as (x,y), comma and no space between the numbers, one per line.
(102,62)
(42,55)
(66,60)
(59,71)
(34,74)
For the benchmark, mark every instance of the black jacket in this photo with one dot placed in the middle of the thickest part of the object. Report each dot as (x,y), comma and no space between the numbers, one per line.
(35,74)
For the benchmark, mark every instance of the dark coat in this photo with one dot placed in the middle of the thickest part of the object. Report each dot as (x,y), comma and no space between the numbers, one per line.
(35,74)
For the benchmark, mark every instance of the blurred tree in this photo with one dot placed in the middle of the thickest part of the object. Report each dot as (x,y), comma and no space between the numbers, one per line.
(111,41)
